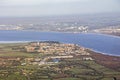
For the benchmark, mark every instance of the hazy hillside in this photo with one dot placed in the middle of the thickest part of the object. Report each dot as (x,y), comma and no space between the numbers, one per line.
(56,23)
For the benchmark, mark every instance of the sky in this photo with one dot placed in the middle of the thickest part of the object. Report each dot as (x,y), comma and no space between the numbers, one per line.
(56,7)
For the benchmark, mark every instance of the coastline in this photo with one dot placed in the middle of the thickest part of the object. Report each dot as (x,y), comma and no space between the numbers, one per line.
(111,35)
(61,33)
(102,52)
(95,51)
(105,34)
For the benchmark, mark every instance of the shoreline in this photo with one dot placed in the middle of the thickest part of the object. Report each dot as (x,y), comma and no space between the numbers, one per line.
(89,33)
(110,35)
(106,34)
(102,52)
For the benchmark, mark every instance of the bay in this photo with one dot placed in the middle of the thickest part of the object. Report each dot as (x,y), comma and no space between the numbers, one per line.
(98,42)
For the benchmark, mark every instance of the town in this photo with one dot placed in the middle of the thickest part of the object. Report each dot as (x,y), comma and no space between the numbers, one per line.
(51,47)
(112,30)
(56,51)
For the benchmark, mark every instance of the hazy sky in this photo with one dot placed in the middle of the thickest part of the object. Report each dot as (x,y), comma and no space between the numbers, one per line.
(56,7)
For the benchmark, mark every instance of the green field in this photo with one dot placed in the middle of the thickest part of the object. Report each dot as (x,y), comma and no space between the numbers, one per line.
(66,69)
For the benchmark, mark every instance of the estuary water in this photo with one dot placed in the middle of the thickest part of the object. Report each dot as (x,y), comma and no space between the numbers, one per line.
(97,42)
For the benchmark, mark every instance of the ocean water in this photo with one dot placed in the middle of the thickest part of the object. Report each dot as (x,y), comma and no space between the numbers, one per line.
(97,42)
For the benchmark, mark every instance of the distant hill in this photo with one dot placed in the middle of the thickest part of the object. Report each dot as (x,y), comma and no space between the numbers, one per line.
(56,23)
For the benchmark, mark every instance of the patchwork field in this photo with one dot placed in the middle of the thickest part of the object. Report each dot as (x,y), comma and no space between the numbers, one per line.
(17,64)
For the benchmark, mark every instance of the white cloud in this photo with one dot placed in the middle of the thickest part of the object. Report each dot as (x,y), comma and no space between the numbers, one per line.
(36,2)
(52,7)
(30,2)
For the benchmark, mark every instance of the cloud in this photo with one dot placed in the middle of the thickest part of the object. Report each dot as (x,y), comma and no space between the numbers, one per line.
(36,2)
(31,2)
(56,7)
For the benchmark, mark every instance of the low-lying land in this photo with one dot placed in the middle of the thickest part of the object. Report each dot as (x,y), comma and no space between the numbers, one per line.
(52,60)
(109,31)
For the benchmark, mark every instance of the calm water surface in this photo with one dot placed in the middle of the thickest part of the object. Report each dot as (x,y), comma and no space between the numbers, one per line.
(98,42)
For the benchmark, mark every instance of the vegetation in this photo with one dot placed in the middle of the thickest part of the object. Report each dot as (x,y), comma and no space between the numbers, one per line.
(12,56)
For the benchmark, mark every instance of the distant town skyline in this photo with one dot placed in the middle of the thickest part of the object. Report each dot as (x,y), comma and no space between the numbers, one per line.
(21,8)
